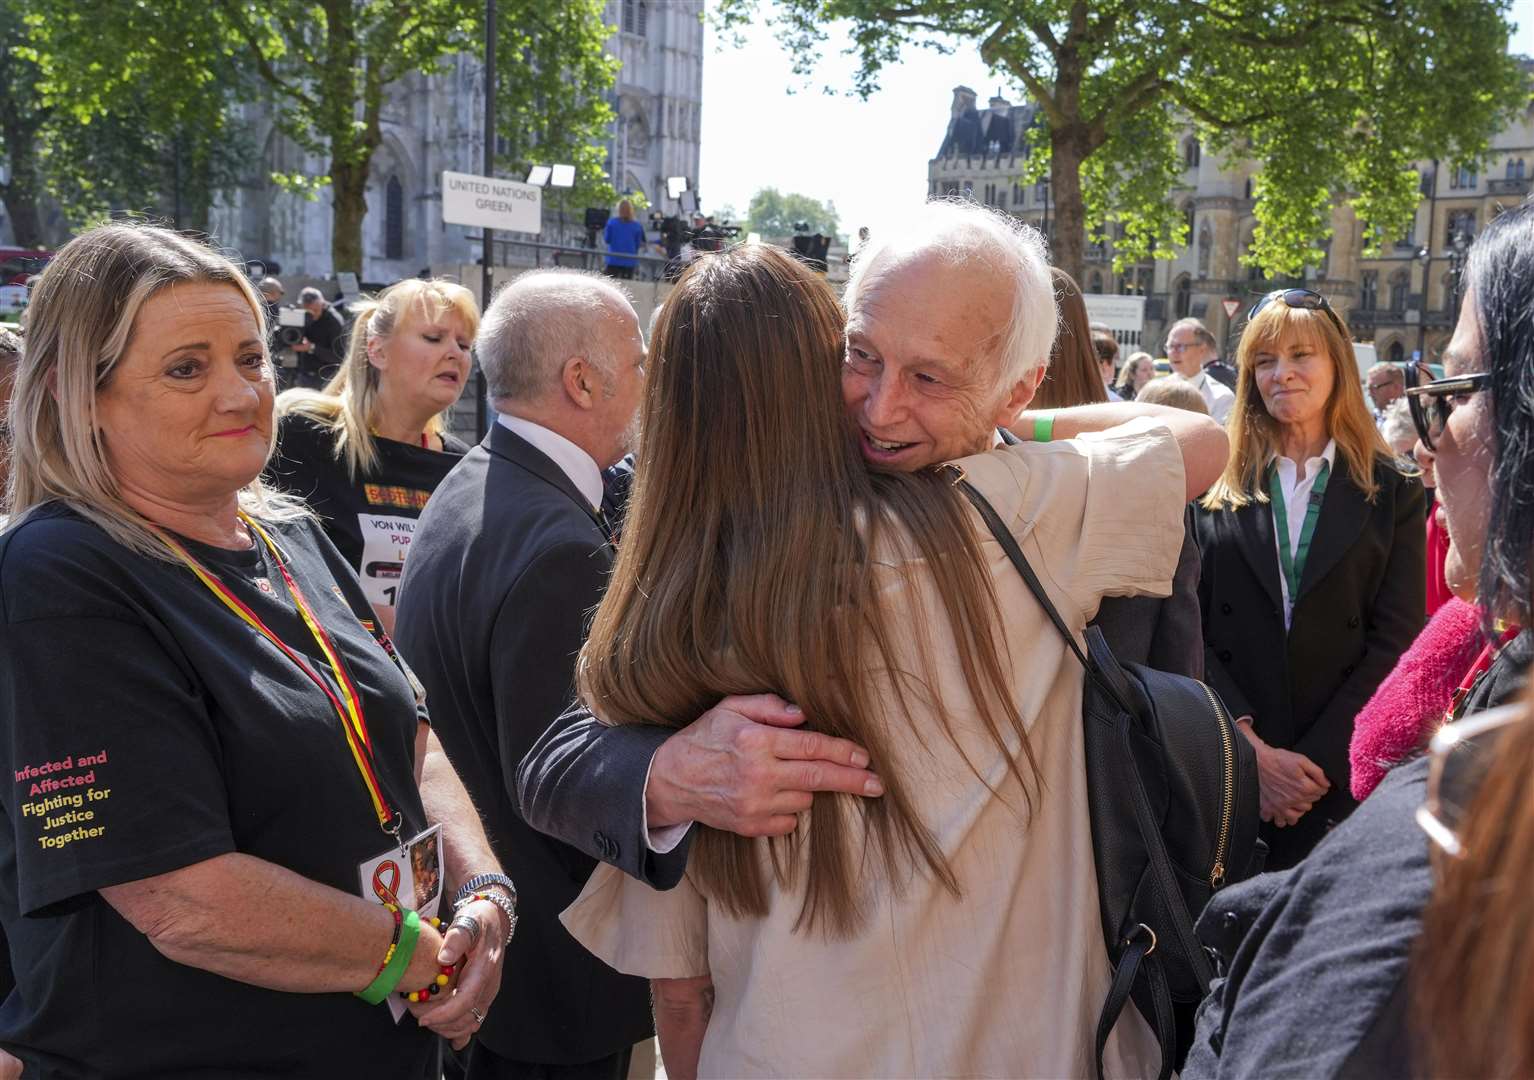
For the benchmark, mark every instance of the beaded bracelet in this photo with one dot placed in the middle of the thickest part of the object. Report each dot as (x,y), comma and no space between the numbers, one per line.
(436,986)
(444,976)
(407,929)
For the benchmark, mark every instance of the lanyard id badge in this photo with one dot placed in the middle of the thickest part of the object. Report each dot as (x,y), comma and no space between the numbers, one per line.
(409,875)
(348,705)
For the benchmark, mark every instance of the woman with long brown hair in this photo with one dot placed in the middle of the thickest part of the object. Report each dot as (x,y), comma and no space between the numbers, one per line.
(949,927)
(1074,375)
(1312,546)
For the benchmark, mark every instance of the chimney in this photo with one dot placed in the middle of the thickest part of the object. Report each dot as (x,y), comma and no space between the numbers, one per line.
(963,100)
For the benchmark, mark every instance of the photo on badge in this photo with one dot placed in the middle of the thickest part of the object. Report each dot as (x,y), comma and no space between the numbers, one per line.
(426,869)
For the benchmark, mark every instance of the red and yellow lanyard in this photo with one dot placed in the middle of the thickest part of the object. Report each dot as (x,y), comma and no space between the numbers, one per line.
(348,707)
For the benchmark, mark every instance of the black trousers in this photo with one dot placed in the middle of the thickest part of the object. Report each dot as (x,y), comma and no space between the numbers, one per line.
(624,272)
(483,1064)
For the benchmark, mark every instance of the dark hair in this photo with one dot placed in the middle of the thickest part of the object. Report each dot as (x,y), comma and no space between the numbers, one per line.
(1500,273)
(1106,345)
(1074,377)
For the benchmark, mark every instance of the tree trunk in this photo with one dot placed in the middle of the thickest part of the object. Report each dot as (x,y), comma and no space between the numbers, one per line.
(348,185)
(1068,246)
(21,195)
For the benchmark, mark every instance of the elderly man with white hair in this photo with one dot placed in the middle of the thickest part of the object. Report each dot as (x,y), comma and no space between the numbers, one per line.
(510,555)
(950,323)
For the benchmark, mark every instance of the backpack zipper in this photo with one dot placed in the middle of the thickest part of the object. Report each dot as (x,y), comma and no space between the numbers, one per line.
(1228,801)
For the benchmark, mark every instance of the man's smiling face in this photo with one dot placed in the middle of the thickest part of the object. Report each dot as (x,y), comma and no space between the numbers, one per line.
(922,371)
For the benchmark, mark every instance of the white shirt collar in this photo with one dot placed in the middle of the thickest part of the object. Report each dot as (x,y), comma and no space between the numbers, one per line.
(574,462)
(1287,466)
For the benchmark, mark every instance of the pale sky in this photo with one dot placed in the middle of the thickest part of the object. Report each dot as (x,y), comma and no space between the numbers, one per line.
(869,158)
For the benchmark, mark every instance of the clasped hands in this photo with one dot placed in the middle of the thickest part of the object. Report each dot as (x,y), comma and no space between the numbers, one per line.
(1289,782)
(477,958)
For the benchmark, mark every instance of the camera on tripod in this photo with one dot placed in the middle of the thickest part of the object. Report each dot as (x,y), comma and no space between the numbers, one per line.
(288,332)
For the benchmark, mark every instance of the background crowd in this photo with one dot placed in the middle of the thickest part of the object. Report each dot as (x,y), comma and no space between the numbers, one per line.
(707,686)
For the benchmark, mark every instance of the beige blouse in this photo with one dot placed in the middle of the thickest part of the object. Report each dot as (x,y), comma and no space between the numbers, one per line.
(1007,980)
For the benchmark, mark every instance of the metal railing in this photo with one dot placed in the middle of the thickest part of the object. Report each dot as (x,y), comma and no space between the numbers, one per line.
(648,268)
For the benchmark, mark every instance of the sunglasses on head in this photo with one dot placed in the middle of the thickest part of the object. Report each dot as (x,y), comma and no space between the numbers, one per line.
(1300,298)
(1432,403)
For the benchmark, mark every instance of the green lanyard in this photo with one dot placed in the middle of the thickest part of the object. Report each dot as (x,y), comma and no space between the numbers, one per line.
(1294,564)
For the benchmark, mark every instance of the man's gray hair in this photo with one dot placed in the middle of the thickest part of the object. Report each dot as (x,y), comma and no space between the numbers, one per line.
(1201,332)
(1399,431)
(965,233)
(1385,367)
(270,284)
(309,294)
(539,321)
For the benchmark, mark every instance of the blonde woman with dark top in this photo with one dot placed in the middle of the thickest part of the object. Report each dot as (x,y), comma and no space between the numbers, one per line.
(366,452)
(216,760)
(1312,550)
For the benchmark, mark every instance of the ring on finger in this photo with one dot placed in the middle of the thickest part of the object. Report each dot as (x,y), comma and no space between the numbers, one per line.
(469,925)
(479,1017)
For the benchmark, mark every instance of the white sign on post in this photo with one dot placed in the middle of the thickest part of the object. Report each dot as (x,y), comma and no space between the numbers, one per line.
(1124,315)
(488,203)
(1231,307)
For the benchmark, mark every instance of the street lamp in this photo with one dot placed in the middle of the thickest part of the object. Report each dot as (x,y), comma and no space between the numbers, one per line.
(1459,247)
(1423,255)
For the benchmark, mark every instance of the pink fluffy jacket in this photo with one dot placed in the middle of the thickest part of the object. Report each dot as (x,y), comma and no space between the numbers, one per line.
(1406,709)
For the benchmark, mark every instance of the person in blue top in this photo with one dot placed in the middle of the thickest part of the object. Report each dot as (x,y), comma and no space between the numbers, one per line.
(624,238)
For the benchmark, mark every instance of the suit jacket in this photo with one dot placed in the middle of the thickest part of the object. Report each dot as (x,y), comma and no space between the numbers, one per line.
(1361,602)
(1163,633)
(505,567)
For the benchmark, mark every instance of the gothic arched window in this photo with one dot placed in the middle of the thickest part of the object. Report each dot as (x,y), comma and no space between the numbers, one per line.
(394,219)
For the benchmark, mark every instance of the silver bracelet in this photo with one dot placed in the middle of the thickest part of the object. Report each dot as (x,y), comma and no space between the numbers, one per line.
(507,905)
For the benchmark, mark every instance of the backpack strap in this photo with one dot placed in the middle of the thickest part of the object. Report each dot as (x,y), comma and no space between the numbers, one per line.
(1135,959)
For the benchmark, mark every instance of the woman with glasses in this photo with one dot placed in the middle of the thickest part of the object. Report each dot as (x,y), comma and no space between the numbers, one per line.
(1322,972)
(1312,548)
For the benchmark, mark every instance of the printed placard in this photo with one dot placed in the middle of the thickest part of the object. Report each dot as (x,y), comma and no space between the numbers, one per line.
(385,542)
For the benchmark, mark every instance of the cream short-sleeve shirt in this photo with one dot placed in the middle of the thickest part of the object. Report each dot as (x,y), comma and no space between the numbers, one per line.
(1008,979)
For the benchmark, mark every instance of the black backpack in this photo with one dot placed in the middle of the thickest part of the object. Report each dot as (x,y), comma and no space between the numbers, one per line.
(1172,791)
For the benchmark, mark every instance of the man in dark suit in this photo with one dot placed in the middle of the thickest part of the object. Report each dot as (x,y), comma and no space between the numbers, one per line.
(511,555)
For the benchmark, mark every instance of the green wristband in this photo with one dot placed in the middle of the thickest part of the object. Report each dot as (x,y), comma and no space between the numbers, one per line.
(399,960)
(1044,427)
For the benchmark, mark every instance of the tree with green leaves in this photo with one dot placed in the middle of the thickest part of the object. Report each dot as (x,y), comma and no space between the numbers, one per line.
(1335,99)
(775,213)
(322,68)
(22,118)
(551,93)
(141,109)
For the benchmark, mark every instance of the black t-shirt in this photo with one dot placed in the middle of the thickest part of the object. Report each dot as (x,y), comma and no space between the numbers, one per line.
(370,518)
(144,728)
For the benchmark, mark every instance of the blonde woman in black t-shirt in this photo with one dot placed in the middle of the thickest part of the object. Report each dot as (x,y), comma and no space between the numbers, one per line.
(214,759)
(366,452)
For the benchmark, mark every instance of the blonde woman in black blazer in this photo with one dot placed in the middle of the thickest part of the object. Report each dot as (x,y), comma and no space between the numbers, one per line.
(1312,564)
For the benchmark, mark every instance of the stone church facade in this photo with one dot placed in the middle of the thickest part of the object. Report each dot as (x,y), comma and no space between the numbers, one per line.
(434,123)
